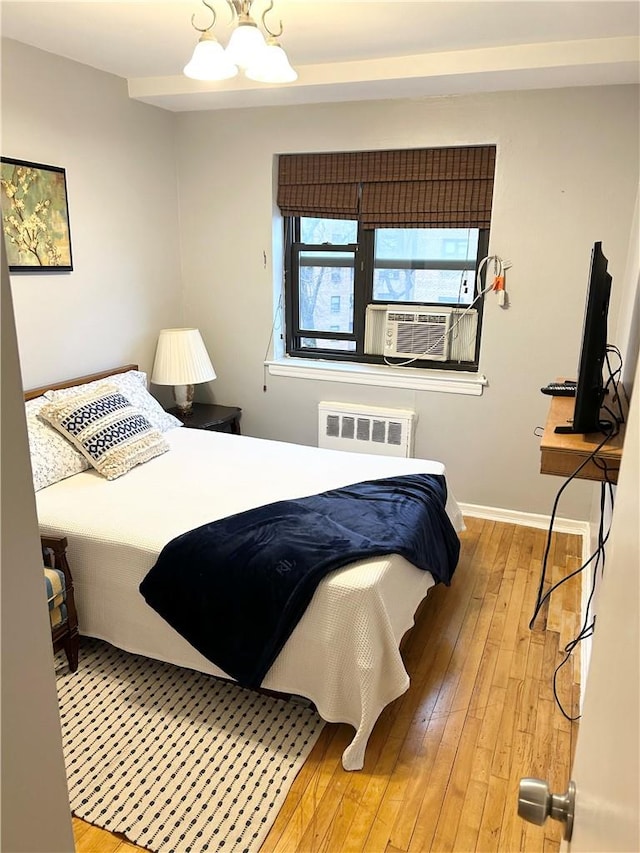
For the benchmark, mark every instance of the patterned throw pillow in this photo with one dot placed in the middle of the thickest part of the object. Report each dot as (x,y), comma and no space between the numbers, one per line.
(104,426)
(133,384)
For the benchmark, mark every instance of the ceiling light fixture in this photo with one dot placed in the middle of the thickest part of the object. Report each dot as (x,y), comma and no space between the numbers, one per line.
(262,60)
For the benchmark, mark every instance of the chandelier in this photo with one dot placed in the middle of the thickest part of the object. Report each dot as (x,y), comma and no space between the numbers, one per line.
(261,59)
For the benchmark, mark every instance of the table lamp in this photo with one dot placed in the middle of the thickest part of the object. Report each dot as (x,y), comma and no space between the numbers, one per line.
(182,361)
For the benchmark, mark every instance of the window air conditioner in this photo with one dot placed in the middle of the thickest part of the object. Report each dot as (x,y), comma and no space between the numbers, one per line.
(420,334)
(460,338)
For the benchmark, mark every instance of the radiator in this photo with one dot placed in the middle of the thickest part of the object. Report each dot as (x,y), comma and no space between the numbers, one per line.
(366,429)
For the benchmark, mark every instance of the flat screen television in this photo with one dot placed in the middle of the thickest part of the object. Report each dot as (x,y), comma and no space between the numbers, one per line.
(593,351)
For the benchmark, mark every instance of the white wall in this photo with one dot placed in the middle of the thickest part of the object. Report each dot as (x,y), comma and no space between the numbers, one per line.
(628,322)
(628,329)
(567,173)
(123,210)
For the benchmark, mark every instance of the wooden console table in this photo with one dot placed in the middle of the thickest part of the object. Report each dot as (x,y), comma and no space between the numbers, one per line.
(562,453)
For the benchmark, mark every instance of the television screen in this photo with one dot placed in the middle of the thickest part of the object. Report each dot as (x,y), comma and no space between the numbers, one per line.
(590,386)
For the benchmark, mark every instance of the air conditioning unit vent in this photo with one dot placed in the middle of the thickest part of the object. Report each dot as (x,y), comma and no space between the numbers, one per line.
(423,334)
(417,334)
(366,429)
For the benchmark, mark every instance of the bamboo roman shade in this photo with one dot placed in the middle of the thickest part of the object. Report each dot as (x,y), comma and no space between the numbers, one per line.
(324,185)
(426,187)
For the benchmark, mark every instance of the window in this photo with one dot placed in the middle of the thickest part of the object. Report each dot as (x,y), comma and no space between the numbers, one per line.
(412,265)
(358,243)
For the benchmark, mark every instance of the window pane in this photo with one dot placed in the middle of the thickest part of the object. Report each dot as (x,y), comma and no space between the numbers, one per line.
(424,244)
(339,232)
(425,264)
(326,291)
(423,286)
(322,343)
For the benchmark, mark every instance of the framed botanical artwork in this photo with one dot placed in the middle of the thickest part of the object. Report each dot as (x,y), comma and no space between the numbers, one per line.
(35,216)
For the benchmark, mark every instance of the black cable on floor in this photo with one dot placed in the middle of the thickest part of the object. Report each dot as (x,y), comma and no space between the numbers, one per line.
(588,625)
(540,599)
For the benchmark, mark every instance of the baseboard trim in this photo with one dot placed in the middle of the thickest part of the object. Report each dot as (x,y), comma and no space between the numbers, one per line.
(585,645)
(529,519)
(560,525)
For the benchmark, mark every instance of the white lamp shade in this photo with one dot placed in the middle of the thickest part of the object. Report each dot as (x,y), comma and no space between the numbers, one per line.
(271,65)
(209,61)
(181,359)
(245,44)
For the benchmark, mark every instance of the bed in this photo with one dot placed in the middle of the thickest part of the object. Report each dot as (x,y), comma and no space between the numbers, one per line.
(343,654)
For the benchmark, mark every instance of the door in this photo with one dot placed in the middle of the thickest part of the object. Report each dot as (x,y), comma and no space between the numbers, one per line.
(606,766)
(606,769)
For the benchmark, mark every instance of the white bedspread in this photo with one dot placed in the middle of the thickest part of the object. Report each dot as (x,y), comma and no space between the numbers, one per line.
(343,654)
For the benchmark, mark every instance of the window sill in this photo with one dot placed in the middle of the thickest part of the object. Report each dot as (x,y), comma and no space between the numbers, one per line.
(448,382)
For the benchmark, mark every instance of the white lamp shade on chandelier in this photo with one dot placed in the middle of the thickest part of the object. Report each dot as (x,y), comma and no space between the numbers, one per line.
(271,66)
(245,43)
(182,360)
(209,61)
(264,61)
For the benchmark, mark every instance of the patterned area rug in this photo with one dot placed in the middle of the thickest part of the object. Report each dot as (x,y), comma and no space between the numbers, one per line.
(174,759)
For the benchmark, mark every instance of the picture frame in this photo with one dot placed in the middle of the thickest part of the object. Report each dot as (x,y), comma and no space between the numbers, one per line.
(35,216)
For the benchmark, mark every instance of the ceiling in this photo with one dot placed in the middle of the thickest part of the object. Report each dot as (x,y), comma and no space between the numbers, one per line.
(345,49)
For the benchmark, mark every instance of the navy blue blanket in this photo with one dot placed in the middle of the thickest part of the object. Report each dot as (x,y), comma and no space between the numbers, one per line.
(236,588)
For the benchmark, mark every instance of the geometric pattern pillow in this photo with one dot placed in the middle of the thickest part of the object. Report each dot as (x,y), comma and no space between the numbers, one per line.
(104,426)
(133,384)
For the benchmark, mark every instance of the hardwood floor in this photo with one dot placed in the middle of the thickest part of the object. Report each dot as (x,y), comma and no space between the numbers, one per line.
(444,761)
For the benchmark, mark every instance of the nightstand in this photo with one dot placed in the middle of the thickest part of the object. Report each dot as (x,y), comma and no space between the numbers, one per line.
(211,417)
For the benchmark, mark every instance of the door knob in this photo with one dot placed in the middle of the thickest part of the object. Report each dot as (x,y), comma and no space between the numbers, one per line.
(536,803)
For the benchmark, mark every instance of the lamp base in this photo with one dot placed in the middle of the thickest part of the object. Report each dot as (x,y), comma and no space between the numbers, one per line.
(183,395)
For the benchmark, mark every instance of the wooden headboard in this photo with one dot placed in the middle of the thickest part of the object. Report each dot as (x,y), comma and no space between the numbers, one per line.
(80,380)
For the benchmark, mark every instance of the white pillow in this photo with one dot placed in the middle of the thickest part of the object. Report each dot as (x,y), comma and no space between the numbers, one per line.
(133,384)
(104,426)
(53,458)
